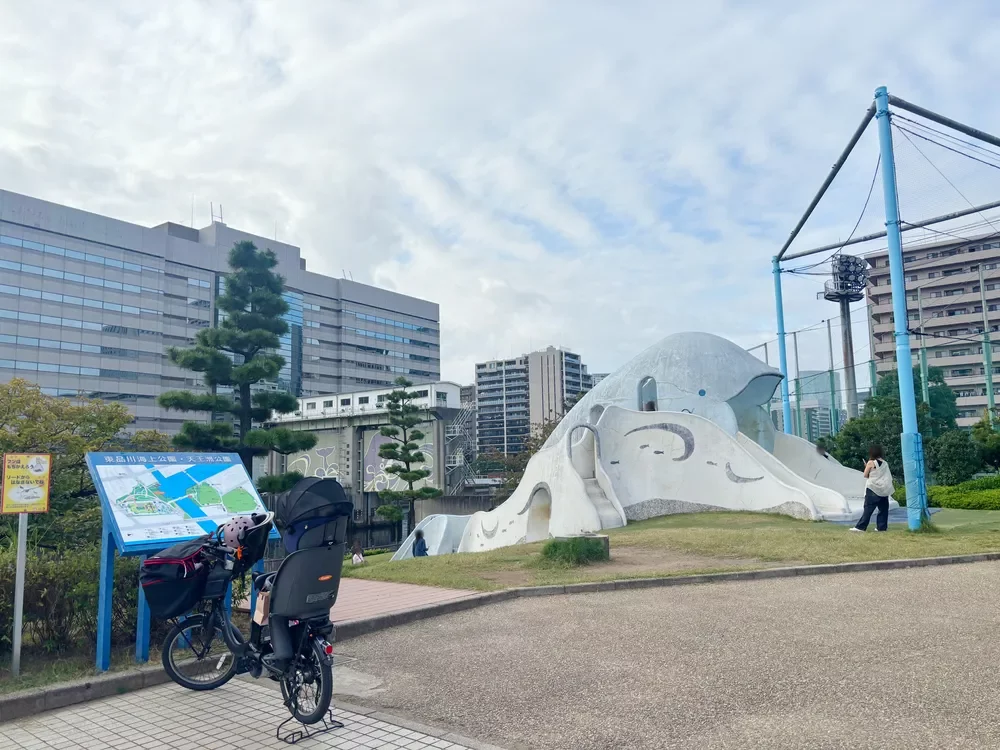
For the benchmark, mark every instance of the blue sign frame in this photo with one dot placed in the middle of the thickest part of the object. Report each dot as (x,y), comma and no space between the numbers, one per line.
(112,540)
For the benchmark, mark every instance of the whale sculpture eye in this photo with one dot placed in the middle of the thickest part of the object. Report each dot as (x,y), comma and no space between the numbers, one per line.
(701,392)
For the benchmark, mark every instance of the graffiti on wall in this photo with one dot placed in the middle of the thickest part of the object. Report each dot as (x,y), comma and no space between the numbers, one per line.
(376,477)
(321,461)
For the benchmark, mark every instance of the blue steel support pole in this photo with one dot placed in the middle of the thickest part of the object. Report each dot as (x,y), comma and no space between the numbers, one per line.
(786,406)
(142,626)
(106,589)
(913,455)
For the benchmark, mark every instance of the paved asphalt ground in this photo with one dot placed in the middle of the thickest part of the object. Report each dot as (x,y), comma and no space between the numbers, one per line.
(887,660)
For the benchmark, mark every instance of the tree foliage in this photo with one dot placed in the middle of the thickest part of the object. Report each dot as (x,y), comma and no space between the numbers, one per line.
(403,448)
(953,457)
(936,418)
(240,353)
(31,422)
(951,454)
(987,439)
(882,421)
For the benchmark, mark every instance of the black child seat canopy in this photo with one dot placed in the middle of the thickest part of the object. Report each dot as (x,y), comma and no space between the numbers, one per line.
(313,513)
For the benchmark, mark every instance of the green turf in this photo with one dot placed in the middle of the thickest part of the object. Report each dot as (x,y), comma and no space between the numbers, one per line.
(723,541)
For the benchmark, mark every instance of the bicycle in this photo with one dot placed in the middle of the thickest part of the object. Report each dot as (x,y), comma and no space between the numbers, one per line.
(204,650)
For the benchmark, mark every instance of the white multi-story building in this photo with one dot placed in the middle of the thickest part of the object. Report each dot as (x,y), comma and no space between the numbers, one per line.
(516,395)
(946,277)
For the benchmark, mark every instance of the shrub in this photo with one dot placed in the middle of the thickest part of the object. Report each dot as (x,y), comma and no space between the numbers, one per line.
(60,598)
(578,550)
(976,494)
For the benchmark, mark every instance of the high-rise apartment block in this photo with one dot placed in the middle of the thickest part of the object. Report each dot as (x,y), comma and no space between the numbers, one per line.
(516,395)
(89,306)
(943,279)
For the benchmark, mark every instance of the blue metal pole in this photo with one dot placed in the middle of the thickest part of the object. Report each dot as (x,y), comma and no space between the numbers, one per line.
(142,626)
(913,454)
(106,589)
(786,406)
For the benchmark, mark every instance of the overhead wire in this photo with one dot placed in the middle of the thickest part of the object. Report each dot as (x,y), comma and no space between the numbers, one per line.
(906,134)
(861,216)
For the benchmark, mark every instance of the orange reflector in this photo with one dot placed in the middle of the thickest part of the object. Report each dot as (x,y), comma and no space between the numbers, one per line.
(327,577)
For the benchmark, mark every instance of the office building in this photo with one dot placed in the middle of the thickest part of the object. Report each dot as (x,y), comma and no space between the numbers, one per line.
(347,427)
(514,396)
(945,275)
(597,377)
(89,306)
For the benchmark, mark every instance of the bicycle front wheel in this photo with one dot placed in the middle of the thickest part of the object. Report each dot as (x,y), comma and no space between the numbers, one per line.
(195,655)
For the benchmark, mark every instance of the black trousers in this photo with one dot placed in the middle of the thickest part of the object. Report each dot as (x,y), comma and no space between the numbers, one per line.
(875,502)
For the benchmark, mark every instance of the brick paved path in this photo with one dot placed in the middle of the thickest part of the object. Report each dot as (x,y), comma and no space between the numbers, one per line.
(242,714)
(360,599)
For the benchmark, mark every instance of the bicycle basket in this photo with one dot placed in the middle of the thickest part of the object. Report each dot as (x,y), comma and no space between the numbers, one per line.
(173,580)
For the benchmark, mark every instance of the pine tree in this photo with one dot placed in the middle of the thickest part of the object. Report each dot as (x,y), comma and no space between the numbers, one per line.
(239,353)
(404,450)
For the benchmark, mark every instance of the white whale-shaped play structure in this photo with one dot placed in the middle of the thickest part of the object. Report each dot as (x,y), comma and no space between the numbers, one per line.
(682,427)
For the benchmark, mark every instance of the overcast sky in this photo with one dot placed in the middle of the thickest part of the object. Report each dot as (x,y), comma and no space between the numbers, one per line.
(588,174)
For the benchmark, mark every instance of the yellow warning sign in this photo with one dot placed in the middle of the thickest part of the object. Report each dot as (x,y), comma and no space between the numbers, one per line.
(25,483)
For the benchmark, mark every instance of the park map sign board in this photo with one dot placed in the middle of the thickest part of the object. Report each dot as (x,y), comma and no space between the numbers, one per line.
(153,501)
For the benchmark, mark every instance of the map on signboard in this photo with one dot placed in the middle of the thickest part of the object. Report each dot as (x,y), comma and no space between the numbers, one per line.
(161,499)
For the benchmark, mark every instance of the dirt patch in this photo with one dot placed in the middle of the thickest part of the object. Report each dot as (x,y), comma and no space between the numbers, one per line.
(630,562)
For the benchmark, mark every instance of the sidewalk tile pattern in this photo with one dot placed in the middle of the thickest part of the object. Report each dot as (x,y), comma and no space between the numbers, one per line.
(360,599)
(242,714)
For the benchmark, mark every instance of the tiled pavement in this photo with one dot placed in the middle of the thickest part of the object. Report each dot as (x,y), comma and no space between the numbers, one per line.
(242,714)
(360,599)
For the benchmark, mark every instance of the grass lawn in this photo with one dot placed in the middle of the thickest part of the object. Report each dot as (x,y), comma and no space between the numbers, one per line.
(39,669)
(696,543)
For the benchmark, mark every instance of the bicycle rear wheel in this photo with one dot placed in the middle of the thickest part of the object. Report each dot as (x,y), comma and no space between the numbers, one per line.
(195,655)
(309,690)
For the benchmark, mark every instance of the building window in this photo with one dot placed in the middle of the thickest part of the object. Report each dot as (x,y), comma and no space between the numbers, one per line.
(327,404)
(363,399)
(911,277)
(310,406)
(932,275)
(345,402)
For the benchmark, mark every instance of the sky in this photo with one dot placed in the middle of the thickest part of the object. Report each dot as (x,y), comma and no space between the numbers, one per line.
(593,175)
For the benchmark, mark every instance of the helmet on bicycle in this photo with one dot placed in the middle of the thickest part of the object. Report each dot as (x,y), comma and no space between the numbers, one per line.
(233,530)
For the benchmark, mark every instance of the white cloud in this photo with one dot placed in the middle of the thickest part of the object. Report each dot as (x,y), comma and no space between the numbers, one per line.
(589,174)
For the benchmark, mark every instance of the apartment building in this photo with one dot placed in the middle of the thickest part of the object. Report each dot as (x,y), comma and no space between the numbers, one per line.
(945,275)
(515,395)
(89,306)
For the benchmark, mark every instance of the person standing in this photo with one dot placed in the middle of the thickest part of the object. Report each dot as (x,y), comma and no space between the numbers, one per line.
(878,489)
(419,544)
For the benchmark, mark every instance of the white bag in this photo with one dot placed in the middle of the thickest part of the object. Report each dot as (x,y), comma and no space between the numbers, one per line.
(880,480)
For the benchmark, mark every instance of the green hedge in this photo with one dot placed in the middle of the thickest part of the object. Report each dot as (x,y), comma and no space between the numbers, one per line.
(976,494)
(60,598)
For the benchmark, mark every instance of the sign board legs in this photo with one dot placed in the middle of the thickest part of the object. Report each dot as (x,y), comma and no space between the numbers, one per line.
(22,561)
(142,626)
(106,592)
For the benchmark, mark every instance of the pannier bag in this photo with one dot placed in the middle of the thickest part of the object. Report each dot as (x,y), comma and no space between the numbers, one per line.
(314,513)
(173,580)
